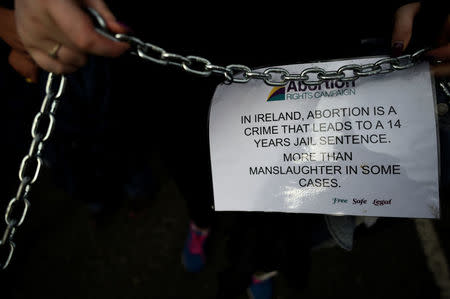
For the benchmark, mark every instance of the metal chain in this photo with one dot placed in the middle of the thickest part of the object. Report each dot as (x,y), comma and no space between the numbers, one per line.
(445,86)
(234,73)
(41,130)
(238,73)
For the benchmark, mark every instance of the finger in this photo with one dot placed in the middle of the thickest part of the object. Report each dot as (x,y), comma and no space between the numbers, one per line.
(24,65)
(107,15)
(77,25)
(403,23)
(442,53)
(51,64)
(441,70)
(64,54)
(71,56)
(445,33)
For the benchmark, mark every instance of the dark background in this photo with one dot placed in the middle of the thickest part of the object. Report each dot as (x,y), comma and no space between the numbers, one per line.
(112,127)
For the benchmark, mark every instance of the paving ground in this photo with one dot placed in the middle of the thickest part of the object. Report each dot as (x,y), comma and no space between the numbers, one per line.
(62,254)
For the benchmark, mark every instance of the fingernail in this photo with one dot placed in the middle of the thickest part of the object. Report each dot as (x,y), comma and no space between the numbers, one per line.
(29,80)
(397,49)
(125,26)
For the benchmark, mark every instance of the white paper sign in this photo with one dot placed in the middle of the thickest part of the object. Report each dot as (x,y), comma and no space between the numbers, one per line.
(367,147)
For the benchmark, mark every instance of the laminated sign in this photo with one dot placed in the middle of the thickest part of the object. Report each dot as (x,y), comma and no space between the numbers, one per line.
(367,147)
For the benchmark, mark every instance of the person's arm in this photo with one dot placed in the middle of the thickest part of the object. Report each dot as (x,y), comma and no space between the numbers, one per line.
(18,58)
(404,30)
(59,34)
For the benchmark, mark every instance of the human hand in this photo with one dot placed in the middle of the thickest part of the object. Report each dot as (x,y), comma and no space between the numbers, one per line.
(18,58)
(403,31)
(60,34)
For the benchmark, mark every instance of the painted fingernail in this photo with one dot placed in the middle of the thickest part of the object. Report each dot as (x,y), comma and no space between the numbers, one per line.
(397,49)
(29,80)
(125,26)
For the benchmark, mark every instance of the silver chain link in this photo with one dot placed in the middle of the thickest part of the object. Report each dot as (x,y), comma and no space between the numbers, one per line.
(445,87)
(41,130)
(233,73)
(238,73)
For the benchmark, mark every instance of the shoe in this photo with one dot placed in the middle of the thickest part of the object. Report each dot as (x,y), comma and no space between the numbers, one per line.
(261,288)
(193,257)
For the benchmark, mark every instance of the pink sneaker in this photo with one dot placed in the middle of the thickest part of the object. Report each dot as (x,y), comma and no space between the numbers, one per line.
(193,257)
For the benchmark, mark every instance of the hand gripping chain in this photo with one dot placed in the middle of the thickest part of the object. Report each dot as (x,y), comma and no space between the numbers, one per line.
(233,73)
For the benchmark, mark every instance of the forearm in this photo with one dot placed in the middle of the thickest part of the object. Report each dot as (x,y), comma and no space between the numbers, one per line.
(8,30)
(5,18)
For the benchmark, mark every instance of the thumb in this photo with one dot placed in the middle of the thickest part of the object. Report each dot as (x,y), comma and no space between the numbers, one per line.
(403,23)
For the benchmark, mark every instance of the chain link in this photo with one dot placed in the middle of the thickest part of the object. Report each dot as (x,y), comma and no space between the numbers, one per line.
(31,165)
(234,73)
(445,86)
(238,73)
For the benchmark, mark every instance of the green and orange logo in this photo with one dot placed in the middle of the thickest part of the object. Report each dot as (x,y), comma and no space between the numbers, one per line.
(277,94)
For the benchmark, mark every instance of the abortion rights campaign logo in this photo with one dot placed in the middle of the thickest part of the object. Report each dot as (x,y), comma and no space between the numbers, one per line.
(298,91)
(277,94)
